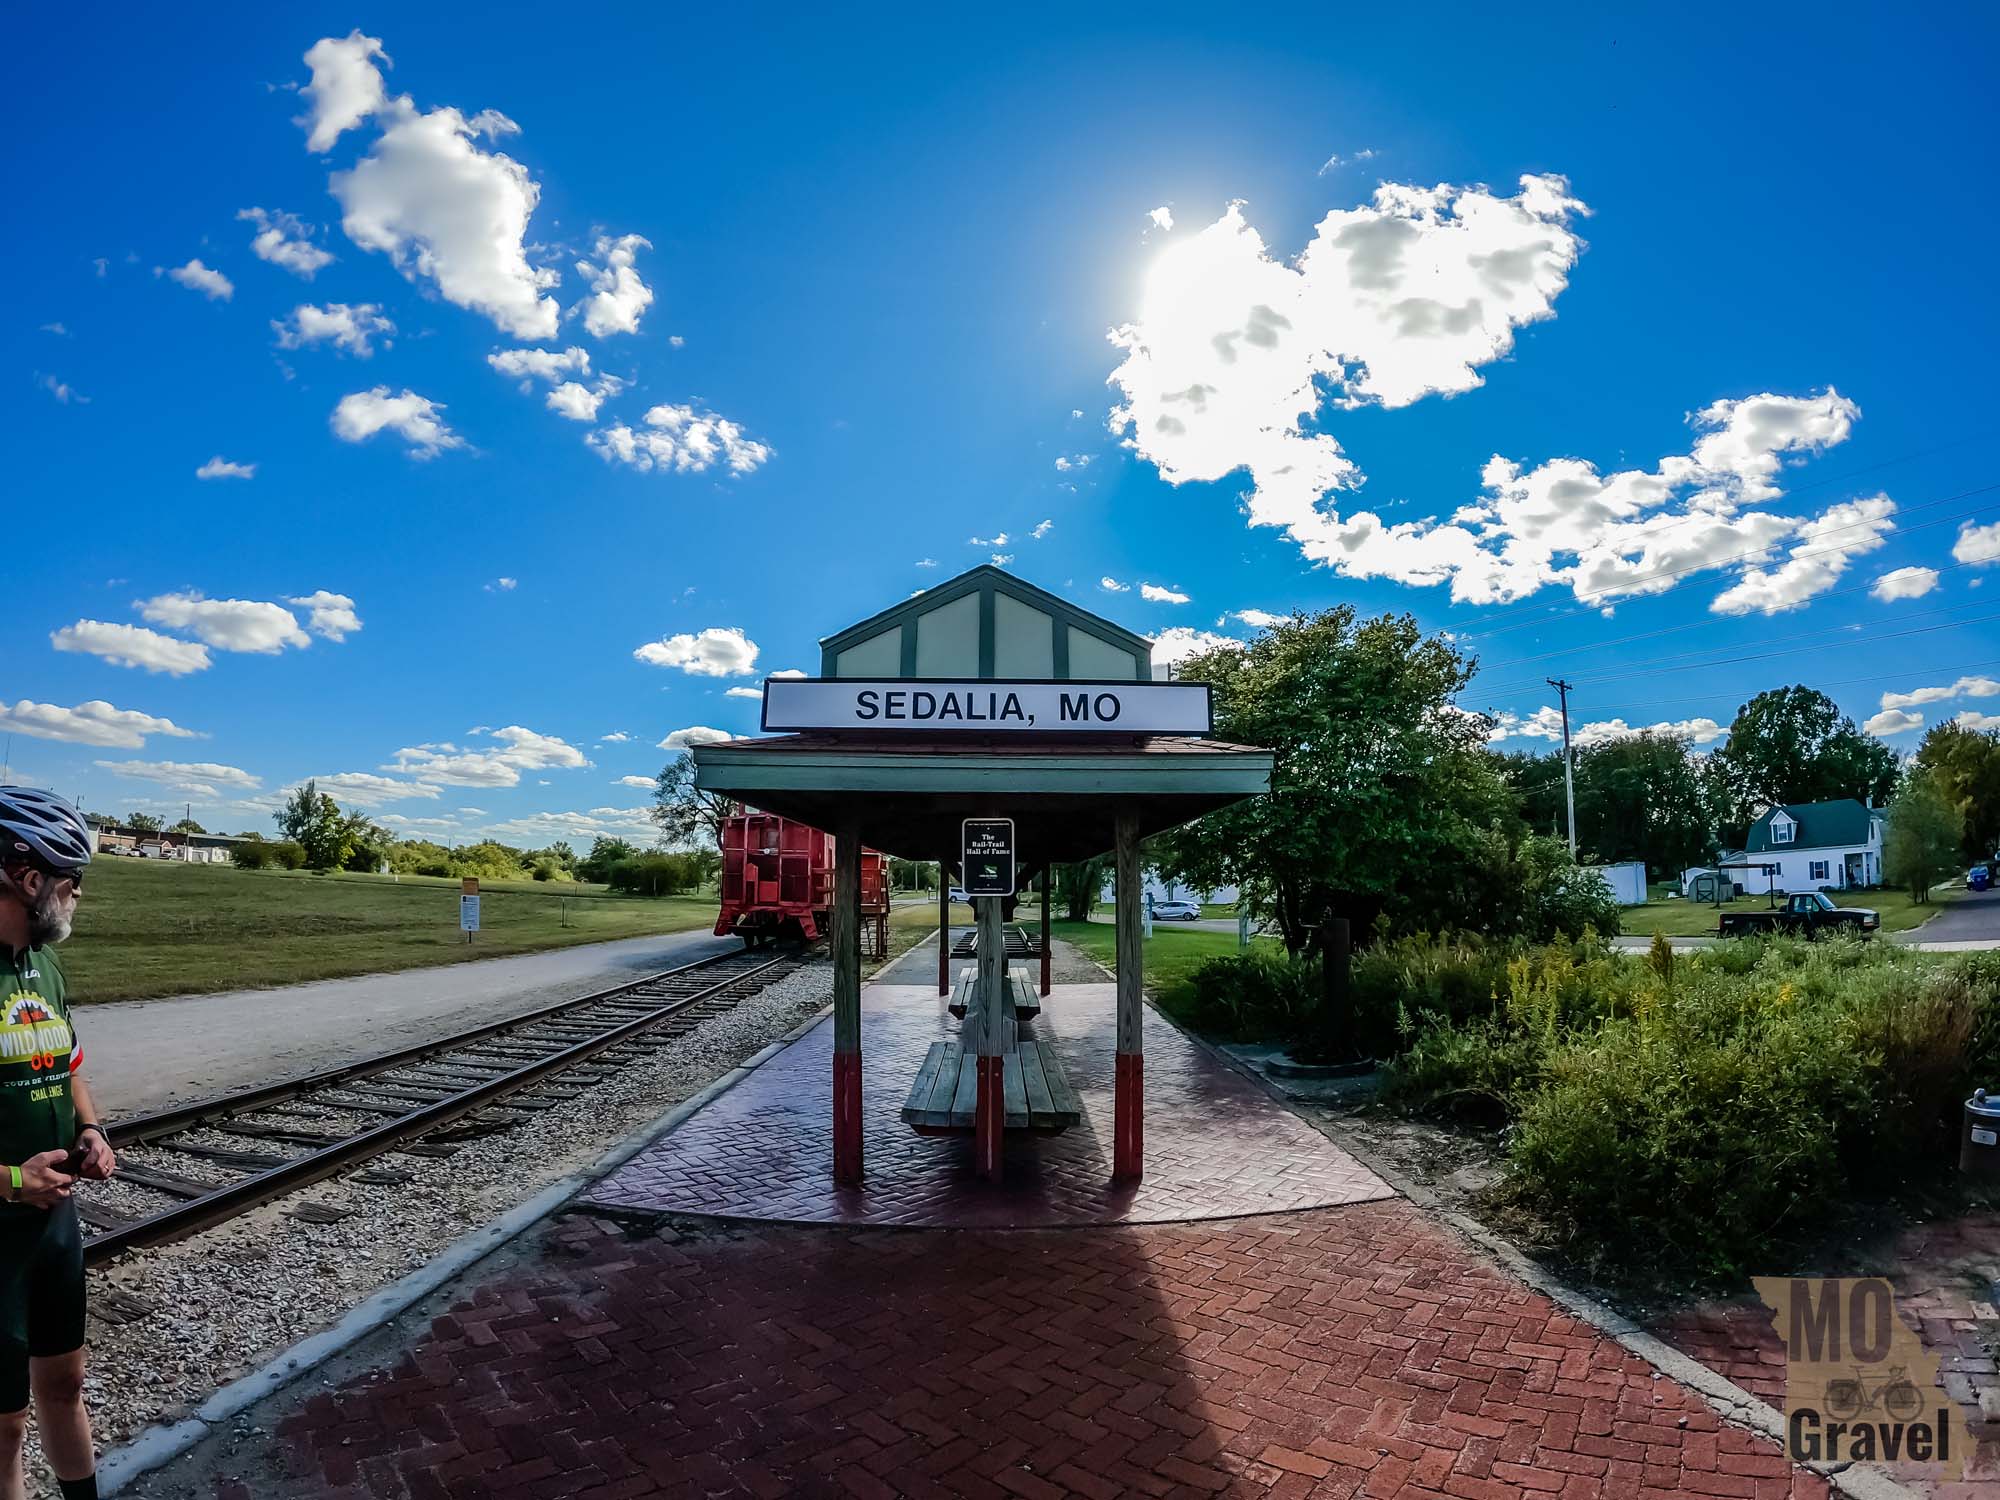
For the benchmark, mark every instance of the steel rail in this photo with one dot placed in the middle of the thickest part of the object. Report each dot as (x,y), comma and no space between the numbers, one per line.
(235,1198)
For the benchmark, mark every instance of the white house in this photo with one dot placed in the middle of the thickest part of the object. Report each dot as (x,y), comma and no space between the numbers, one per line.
(1811,844)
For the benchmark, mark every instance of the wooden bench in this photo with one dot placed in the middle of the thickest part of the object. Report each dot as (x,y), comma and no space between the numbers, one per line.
(1022,999)
(1036,1091)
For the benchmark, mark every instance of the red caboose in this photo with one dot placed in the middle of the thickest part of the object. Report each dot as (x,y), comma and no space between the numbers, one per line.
(777,882)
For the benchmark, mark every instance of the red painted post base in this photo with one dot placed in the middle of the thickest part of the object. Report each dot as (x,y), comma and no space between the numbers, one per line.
(1128,1141)
(847,1118)
(989,1118)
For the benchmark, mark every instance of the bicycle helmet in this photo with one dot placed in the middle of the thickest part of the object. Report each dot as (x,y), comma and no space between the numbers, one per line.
(42,827)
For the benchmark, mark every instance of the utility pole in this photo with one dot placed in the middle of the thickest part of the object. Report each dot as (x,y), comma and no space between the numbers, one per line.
(1569,778)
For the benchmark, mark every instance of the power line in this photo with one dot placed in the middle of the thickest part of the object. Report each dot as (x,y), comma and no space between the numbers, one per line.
(1654,703)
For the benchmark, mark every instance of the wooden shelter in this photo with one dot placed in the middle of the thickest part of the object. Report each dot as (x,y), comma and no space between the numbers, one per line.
(985,697)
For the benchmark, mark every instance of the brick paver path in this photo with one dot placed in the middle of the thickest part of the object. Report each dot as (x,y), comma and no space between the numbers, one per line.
(1343,1352)
(1216,1145)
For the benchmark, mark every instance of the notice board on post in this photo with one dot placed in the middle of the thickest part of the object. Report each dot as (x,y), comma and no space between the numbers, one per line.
(986,854)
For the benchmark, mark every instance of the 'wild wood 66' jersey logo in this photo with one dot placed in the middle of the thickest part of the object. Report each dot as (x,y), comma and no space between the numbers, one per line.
(35,1035)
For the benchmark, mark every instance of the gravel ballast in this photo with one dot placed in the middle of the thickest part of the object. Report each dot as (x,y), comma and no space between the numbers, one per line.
(224,1302)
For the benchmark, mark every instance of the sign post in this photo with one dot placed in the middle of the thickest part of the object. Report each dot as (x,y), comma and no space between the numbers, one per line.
(987,849)
(468,906)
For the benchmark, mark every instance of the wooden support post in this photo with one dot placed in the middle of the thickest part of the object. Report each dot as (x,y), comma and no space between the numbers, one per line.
(990,1104)
(1129,1102)
(847,1002)
(1048,895)
(944,927)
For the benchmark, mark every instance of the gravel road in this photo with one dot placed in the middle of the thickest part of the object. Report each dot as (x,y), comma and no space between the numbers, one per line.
(142,1055)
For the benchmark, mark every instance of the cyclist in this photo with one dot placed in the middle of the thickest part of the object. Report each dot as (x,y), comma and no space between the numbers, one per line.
(48,1135)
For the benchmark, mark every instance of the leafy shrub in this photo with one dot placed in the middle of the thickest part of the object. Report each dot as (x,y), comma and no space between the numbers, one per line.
(654,874)
(287,854)
(250,854)
(1258,993)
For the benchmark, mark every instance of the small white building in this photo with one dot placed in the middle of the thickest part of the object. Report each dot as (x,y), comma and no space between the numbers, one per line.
(1807,845)
(1627,881)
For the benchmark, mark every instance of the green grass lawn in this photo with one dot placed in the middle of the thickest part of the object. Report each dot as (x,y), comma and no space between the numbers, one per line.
(1699,919)
(147,928)
(1171,955)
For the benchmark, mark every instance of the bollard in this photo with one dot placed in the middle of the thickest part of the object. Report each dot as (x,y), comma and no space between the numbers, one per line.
(1979,1150)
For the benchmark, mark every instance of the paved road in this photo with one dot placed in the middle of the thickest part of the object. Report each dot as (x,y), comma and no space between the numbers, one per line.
(1973,917)
(144,1054)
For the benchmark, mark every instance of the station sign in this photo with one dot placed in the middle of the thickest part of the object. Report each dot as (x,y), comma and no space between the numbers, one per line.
(986,855)
(927,705)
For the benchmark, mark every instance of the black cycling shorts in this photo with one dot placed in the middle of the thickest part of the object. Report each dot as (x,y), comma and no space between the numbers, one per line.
(41,1292)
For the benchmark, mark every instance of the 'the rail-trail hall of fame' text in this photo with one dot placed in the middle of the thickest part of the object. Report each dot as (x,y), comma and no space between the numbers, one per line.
(1859,1385)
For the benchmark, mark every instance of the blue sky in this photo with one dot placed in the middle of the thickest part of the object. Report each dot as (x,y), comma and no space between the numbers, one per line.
(1701,283)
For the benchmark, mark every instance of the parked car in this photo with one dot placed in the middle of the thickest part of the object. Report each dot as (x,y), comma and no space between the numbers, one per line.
(1808,912)
(1176,911)
(957,896)
(1978,878)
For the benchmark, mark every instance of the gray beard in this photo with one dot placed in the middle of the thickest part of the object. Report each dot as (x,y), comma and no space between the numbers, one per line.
(49,922)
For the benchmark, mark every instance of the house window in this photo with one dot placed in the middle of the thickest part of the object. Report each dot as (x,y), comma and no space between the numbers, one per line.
(1781,832)
(1818,870)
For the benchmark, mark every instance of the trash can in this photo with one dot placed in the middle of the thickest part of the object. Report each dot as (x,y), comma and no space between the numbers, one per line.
(1979,1151)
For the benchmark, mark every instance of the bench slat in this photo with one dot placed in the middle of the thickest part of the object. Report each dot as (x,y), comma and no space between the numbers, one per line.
(1067,1110)
(1027,1003)
(1013,1091)
(919,1099)
(945,1086)
(1041,1107)
(966,1100)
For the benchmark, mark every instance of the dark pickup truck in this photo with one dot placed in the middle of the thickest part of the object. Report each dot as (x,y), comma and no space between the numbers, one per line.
(1810,913)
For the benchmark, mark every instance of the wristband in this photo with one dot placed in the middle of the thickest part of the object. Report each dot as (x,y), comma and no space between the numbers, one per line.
(91,1125)
(14,1173)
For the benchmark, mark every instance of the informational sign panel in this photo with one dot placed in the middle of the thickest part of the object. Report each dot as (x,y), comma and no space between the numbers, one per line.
(468,914)
(986,846)
(974,706)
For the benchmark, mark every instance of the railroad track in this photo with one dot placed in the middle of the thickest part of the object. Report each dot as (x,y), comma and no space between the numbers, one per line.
(238,1150)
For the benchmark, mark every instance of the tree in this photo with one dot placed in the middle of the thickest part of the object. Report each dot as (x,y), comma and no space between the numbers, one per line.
(1079,886)
(188,825)
(314,822)
(1966,766)
(1537,780)
(1644,797)
(1920,846)
(143,823)
(604,853)
(684,813)
(1793,744)
(368,844)
(1380,781)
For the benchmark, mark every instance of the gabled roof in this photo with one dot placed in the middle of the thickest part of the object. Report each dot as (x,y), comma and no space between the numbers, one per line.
(1822,825)
(974,581)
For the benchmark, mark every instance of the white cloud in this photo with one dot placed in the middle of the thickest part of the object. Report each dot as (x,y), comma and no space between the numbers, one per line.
(682,439)
(228,624)
(1162,217)
(203,778)
(999,539)
(1161,595)
(346,87)
(332,614)
(1978,723)
(1892,721)
(62,390)
(347,327)
(645,783)
(521,750)
(1259,619)
(1964,687)
(1172,647)
(528,365)
(413,418)
(365,789)
(503,585)
(1336,161)
(1905,583)
(92,723)
(1065,462)
(695,734)
(285,240)
(197,277)
(1000,559)
(219,467)
(618,297)
(715,652)
(616,737)
(536,829)
(743,692)
(57,329)
(927,562)
(1042,529)
(789,672)
(577,402)
(1546,723)
(1111,585)
(1825,547)
(1977,544)
(449,212)
(132,646)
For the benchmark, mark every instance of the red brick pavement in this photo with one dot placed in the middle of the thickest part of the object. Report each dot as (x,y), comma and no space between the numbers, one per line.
(1216,1145)
(1345,1352)
(1947,1280)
